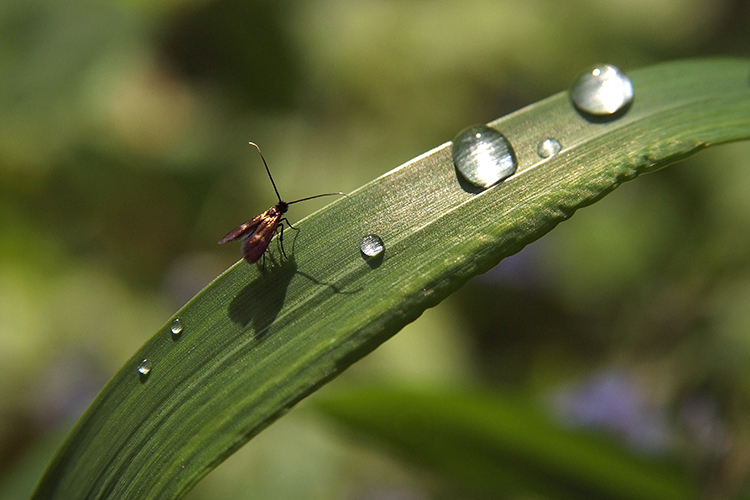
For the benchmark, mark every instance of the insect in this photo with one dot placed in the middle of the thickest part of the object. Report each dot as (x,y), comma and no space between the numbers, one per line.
(258,231)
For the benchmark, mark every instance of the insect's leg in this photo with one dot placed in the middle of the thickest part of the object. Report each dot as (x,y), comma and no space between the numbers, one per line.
(281,236)
(289,224)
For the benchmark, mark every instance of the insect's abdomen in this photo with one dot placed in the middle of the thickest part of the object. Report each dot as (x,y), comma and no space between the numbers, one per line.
(254,246)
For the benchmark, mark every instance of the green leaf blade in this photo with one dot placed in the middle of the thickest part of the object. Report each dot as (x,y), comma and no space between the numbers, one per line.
(256,340)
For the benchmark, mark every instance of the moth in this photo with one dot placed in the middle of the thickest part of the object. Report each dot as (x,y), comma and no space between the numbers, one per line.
(258,231)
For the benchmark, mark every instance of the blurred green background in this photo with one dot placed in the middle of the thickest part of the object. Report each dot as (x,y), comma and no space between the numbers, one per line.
(124,158)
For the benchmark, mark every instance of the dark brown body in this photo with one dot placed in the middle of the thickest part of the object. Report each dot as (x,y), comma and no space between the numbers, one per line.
(258,232)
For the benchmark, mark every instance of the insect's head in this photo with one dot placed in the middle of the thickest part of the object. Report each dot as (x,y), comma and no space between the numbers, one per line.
(282,207)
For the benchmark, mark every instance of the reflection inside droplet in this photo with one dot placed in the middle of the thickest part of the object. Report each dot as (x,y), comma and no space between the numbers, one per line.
(602,90)
(548,147)
(483,156)
(144,368)
(371,246)
(176,327)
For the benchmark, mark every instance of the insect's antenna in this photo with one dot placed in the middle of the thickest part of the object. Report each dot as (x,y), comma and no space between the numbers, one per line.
(267,170)
(318,196)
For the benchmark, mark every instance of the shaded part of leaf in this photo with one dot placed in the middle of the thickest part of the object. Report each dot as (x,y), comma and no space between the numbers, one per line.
(495,444)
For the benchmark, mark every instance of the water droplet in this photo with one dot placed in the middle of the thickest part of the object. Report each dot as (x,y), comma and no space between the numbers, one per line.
(483,155)
(176,327)
(372,246)
(144,368)
(603,90)
(548,147)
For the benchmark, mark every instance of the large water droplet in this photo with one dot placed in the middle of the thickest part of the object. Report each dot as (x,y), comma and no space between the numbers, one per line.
(602,90)
(548,147)
(372,246)
(483,156)
(176,327)
(144,368)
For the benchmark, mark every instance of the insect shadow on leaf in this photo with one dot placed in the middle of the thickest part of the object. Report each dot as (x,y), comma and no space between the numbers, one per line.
(261,300)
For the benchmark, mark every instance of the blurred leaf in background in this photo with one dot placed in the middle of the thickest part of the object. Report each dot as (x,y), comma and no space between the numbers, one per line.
(124,157)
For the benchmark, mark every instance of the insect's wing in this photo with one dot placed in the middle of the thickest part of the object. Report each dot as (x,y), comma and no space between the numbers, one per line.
(243,230)
(255,245)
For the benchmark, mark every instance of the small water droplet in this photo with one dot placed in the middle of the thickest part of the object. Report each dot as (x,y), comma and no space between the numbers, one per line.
(372,246)
(548,147)
(603,90)
(144,368)
(176,327)
(483,156)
